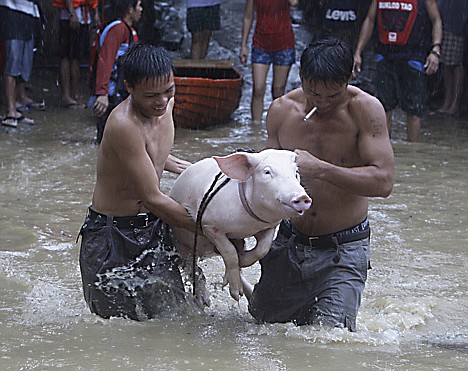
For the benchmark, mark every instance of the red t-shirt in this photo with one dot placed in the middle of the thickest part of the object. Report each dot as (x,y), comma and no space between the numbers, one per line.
(273,28)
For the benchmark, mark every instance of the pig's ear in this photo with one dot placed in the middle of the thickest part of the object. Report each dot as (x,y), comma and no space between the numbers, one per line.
(236,166)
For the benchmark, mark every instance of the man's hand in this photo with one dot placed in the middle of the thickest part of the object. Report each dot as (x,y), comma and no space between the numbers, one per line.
(357,64)
(101,105)
(432,64)
(310,167)
(176,165)
(243,55)
(74,22)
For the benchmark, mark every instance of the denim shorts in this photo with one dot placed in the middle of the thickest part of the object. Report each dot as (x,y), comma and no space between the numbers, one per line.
(401,82)
(282,58)
(19,58)
(305,284)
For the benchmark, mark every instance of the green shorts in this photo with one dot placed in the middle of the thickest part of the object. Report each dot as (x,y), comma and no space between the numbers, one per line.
(203,18)
(401,83)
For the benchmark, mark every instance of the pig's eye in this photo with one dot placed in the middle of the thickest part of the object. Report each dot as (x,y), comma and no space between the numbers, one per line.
(297,175)
(267,171)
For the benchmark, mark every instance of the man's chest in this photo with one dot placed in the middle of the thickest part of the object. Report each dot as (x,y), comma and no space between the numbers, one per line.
(336,145)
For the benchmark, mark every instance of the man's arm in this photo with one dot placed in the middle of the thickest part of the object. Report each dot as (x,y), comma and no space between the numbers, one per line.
(246,25)
(105,62)
(375,177)
(432,61)
(175,164)
(364,36)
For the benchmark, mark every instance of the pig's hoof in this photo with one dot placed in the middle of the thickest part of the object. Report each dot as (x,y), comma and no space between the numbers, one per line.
(203,299)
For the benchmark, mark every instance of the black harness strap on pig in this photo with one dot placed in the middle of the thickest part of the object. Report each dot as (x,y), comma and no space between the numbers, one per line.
(207,197)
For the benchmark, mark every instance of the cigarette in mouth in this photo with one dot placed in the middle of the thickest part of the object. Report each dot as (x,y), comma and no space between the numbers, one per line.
(312,111)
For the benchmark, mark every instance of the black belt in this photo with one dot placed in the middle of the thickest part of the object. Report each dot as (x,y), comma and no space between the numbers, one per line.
(359,232)
(121,222)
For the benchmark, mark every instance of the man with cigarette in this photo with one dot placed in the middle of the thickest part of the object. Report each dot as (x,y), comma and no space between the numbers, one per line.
(317,267)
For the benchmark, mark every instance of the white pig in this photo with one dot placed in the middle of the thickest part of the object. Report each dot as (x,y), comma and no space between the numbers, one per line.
(263,189)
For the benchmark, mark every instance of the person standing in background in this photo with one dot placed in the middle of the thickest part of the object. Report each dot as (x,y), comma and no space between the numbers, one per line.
(273,43)
(454,14)
(203,17)
(339,18)
(19,22)
(404,56)
(110,44)
(75,18)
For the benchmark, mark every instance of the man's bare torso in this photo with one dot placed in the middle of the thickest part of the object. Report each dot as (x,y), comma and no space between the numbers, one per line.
(332,137)
(115,192)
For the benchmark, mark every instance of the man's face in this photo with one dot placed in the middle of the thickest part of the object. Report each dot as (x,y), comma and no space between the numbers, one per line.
(324,97)
(135,12)
(152,96)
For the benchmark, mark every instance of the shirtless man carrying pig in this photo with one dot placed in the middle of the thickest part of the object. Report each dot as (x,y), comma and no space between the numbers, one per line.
(317,267)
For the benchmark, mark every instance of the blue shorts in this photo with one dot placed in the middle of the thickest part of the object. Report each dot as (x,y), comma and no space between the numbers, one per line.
(282,58)
(19,58)
(309,280)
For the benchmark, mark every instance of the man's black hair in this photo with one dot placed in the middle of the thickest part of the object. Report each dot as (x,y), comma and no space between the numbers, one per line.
(329,60)
(121,6)
(144,61)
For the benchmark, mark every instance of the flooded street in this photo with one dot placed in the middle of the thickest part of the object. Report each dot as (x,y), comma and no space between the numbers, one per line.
(413,314)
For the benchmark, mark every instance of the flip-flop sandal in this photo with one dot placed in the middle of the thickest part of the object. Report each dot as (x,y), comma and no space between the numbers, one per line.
(22,108)
(10,121)
(25,120)
(33,105)
(38,106)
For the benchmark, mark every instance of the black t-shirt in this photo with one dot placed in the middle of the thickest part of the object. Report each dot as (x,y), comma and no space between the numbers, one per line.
(17,25)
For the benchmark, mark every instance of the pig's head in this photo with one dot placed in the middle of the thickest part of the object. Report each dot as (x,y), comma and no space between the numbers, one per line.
(273,187)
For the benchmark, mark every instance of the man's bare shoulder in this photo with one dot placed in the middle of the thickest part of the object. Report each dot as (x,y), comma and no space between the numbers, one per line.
(362,104)
(288,100)
(358,96)
(122,130)
(285,107)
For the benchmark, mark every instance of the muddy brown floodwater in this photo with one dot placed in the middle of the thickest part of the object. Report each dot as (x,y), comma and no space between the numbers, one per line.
(413,314)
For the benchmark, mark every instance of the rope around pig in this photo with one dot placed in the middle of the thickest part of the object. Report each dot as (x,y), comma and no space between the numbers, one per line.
(207,197)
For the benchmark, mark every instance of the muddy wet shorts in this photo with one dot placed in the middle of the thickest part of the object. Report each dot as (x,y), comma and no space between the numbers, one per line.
(401,82)
(203,18)
(281,58)
(129,267)
(308,280)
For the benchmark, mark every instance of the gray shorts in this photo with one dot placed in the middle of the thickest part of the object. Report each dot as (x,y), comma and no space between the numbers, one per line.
(19,58)
(305,284)
(129,267)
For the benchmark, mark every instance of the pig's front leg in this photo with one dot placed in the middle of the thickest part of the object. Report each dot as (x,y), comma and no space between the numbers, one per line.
(264,240)
(231,261)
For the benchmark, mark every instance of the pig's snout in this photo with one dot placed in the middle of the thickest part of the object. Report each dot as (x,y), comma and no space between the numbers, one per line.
(301,203)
